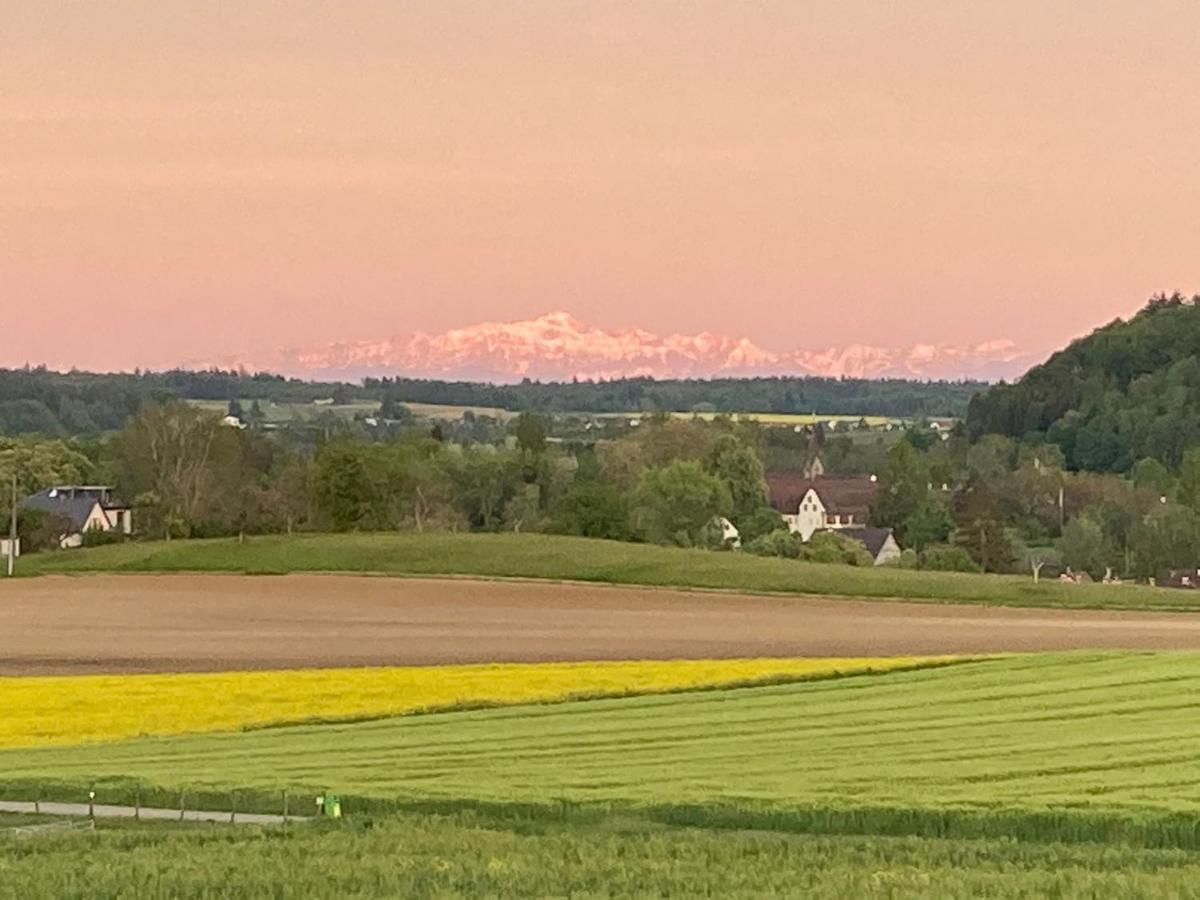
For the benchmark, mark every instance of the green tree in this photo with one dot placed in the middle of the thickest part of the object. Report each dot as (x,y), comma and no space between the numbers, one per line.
(763,521)
(740,468)
(907,503)
(38,530)
(988,542)
(992,457)
(342,487)
(164,456)
(831,547)
(1085,547)
(1187,491)
(524,509)
(781,542)
(946,558)
(40,464)
(531,433)
(1151,475)
(677,503)
(483,481)
(1168,538)
(590,506)
(930,523)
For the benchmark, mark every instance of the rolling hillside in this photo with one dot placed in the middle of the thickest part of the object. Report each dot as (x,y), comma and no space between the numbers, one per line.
(1127,392)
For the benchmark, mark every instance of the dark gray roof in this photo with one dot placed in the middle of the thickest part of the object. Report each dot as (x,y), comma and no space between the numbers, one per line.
(74,507)
(871,538)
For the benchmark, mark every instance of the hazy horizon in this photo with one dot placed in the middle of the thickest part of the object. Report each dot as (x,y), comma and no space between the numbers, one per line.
(189,184)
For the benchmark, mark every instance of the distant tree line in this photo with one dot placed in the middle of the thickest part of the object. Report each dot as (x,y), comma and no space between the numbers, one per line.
(39,401)
(852,396)
(189,475)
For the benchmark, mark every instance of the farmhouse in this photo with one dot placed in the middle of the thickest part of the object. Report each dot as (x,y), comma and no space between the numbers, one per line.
(839,503)
(830,501)
(80,509)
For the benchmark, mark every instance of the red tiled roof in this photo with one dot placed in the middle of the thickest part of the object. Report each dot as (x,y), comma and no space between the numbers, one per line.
(844,495)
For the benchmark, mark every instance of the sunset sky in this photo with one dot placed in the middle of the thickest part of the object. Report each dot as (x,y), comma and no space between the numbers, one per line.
(183,180)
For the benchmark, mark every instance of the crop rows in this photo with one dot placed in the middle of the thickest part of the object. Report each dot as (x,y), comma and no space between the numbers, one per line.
(1098,732)
(468,855)
(45,711)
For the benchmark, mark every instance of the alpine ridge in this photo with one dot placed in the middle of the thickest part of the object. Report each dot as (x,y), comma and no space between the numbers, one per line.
(557,346)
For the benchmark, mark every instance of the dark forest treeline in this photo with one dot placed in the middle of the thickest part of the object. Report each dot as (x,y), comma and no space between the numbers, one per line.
(1128,392)
(850,396)
(39,401)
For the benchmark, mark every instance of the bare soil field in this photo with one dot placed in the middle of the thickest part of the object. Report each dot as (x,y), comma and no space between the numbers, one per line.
(158,623)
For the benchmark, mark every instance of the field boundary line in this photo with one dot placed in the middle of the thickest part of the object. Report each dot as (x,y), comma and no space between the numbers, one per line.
(159,813)
(765,681)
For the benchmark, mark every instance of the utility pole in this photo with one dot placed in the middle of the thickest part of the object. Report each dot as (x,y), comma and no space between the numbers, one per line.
(12,526)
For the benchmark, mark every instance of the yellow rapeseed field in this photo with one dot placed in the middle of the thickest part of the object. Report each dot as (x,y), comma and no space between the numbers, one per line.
(42,711)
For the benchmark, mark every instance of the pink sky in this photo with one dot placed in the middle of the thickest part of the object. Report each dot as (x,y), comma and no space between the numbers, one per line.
(185,180)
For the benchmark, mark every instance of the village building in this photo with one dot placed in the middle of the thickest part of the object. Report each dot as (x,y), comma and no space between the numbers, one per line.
(80,509)
(880,543)
(840,503)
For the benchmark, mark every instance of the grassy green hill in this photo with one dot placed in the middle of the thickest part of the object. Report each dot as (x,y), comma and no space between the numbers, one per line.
(582,559)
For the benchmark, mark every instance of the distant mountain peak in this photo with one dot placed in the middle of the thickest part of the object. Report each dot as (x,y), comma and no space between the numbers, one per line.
(558,346)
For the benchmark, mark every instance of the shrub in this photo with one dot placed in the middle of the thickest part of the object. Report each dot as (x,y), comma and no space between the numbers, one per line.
(831,547)
(781,543)
(96,538)
(946,558)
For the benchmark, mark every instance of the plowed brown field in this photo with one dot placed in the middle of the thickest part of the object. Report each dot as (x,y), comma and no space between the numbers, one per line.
(157,623)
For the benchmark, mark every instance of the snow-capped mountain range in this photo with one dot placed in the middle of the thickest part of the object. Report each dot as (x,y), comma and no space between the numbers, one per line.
(557,346)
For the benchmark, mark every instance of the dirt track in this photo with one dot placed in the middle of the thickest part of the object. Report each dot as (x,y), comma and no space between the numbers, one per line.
(143,623)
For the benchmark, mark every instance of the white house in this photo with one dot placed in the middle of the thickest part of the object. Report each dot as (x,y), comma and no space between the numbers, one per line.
(80,509)
(830,501)
(839,503)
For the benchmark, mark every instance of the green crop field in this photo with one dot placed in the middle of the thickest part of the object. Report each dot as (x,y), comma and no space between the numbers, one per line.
(1051,747)
(582,559)
(1062,775)
(482,856)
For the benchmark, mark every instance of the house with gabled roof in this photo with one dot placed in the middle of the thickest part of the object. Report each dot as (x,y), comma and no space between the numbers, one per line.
(840,503)
(80,509)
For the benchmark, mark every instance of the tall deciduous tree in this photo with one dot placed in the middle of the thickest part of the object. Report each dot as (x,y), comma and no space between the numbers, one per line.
(163,457)
(678,502)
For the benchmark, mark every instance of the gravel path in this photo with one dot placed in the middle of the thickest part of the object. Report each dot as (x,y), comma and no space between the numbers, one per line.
(107,811)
